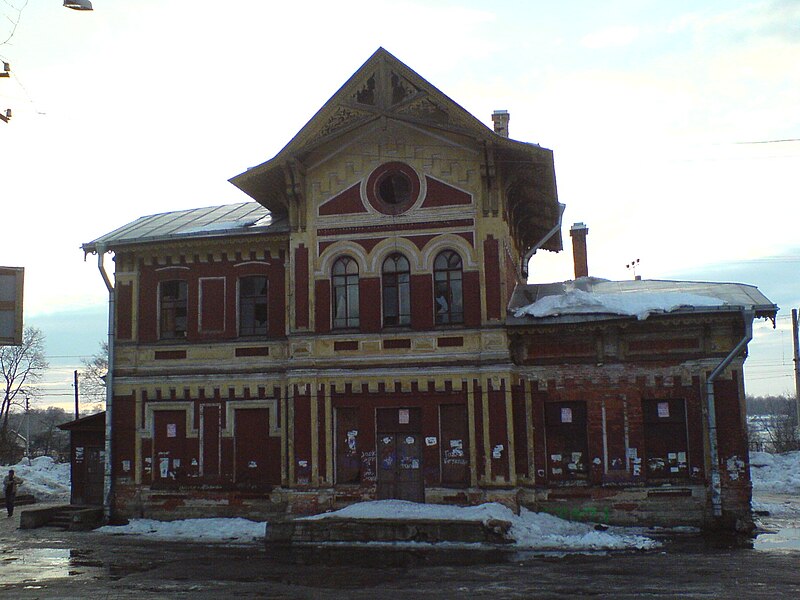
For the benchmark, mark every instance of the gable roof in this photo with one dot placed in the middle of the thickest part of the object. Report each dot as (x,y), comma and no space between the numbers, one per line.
(386,88)
(244,218)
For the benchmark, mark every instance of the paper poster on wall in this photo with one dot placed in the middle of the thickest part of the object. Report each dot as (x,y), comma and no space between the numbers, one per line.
(172,430)
(633,453)
(126,466)
(555,457)
(302,463)
(176,463)
(456,444)
(79,454)
(663,410)
(682,457)
(566,414)
(403,416)
(497,451)
(430,441)
(163,466)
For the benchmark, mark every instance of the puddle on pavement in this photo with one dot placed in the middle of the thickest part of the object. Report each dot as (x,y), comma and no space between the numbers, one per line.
(45,563)
(786,538)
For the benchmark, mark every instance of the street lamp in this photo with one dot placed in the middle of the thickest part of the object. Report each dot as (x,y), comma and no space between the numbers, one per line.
(78,4)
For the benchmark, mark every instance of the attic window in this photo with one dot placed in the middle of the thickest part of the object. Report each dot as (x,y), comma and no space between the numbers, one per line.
(393,188)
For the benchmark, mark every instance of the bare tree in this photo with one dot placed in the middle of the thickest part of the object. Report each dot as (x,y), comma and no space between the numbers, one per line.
(21,368)
(92,383)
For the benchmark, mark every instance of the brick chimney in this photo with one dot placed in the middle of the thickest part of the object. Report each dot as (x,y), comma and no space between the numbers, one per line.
(578,233)
(500,119)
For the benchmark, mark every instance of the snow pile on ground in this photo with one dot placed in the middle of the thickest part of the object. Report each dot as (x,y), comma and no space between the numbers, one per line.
(46,480)
(529,530)
(775,473)
(639,304)
(200,530)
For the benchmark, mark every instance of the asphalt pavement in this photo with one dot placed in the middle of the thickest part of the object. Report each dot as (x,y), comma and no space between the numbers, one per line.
(48,563)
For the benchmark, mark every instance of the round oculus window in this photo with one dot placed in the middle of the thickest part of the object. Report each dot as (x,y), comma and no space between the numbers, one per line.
(393,188)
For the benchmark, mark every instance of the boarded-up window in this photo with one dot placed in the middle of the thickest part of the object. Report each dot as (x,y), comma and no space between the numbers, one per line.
(173,309)
(567,447)
(666,448)
(454,444)
(212,304)
(348,462)
(124,311)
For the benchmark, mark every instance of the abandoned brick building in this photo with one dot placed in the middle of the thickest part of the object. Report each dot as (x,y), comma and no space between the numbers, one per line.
(363,329)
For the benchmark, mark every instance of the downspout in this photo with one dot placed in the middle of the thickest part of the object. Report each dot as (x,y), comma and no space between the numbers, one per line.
(542,242)
(716,483)
(108,483)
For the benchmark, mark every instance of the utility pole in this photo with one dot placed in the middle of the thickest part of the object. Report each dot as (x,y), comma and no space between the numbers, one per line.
(28,426)
(796,347)
(75,379)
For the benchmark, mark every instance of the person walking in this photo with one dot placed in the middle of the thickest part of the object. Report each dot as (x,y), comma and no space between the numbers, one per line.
(10,484)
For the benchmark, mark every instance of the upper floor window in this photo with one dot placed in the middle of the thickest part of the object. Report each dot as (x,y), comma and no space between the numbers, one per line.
(345,292)
(173,309)
(447,291)
(396,291)
(253,305)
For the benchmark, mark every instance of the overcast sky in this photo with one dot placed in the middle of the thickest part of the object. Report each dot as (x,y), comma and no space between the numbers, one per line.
(675,128)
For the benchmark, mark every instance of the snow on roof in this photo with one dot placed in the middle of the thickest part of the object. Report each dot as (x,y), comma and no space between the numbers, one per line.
(639,305)
(637,298)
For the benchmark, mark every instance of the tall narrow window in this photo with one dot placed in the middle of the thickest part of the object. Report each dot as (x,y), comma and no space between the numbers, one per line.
(253,305)
(447,295)
(396,291)
(345,293)
(172,307)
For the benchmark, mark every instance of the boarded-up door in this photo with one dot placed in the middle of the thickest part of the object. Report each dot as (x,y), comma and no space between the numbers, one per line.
(348,460)
(95,466)
(169,445)
(567,444)
(455,444)
(258,456)
(399,441)
(666,448)
(209,440)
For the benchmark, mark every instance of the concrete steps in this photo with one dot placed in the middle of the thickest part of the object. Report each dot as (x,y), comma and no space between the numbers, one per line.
(299,531)
(66,517)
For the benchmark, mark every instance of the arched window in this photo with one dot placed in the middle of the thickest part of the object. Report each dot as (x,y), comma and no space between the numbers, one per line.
(448,298)
(396,291)
(345,293)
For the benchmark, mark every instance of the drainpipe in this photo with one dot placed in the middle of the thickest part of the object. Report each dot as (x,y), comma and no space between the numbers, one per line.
(541,242)
(716,484)
(108,483)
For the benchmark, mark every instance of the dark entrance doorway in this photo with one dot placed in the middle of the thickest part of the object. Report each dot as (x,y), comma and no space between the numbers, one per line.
(399,441)
(95,468)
